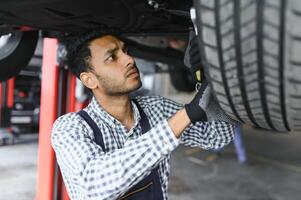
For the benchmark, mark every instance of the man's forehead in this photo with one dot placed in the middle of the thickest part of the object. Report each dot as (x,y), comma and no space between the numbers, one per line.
(106,42)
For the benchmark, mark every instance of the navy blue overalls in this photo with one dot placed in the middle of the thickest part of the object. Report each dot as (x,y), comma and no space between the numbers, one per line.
(150,187)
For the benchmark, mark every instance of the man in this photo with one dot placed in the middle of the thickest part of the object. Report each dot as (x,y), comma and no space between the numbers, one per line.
(120,148)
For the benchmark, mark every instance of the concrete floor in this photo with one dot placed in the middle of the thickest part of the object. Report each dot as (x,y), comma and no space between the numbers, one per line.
(273,171)
(18,169)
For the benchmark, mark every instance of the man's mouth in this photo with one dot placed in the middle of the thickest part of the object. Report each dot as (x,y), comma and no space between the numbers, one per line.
(132,71)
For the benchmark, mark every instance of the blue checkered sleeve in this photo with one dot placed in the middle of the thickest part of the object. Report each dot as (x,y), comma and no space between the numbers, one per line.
(93,174)
(207,135)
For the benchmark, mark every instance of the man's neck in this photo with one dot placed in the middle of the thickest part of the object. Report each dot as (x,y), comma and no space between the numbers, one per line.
(119,107)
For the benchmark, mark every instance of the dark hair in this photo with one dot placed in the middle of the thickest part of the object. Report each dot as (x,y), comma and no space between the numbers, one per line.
(78,51)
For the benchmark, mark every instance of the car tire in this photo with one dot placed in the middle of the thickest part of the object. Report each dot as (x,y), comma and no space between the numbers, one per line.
(252,52)
(16,50)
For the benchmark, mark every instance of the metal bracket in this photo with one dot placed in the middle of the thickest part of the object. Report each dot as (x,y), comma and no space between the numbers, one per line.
(193,19)
(156,4)
(62,56)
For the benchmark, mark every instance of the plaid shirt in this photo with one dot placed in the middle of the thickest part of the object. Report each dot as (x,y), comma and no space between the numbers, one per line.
(90,173)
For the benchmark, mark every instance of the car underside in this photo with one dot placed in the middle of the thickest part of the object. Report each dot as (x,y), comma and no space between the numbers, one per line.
(249,47)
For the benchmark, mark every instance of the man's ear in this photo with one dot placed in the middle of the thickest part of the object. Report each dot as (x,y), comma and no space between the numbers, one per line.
(89,80)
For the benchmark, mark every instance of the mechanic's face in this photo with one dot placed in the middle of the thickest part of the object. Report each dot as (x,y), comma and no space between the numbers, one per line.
(115,70)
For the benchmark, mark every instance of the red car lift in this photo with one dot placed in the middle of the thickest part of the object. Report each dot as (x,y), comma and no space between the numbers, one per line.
(6,105)
(57,98)
(7,93)
(10,92)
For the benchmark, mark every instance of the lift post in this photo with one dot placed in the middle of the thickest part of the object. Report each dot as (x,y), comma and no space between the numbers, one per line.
(6,105)
(10,92)
(48,113)
(58,89)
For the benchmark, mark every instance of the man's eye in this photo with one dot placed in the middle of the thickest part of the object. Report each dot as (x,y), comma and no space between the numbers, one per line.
(125,50)
(111,58)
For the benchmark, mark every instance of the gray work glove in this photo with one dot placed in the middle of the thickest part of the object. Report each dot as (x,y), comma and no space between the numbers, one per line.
(196,108)
(192,58)
(204,106)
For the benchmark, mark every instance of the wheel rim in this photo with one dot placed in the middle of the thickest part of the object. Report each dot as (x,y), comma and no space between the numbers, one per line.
(8,43)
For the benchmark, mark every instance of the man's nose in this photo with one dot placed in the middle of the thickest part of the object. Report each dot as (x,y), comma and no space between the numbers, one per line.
(127,59)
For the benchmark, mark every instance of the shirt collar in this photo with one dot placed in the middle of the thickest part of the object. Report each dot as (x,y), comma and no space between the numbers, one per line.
(109,119)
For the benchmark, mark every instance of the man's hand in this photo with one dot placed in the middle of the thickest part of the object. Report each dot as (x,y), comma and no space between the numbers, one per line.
(204,106)
(196,108)
(192,58)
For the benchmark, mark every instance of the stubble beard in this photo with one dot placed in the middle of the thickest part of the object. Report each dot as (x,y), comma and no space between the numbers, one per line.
(113,89)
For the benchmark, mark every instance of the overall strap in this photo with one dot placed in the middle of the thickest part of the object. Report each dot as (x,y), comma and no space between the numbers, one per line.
(96,131)
(144,123)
